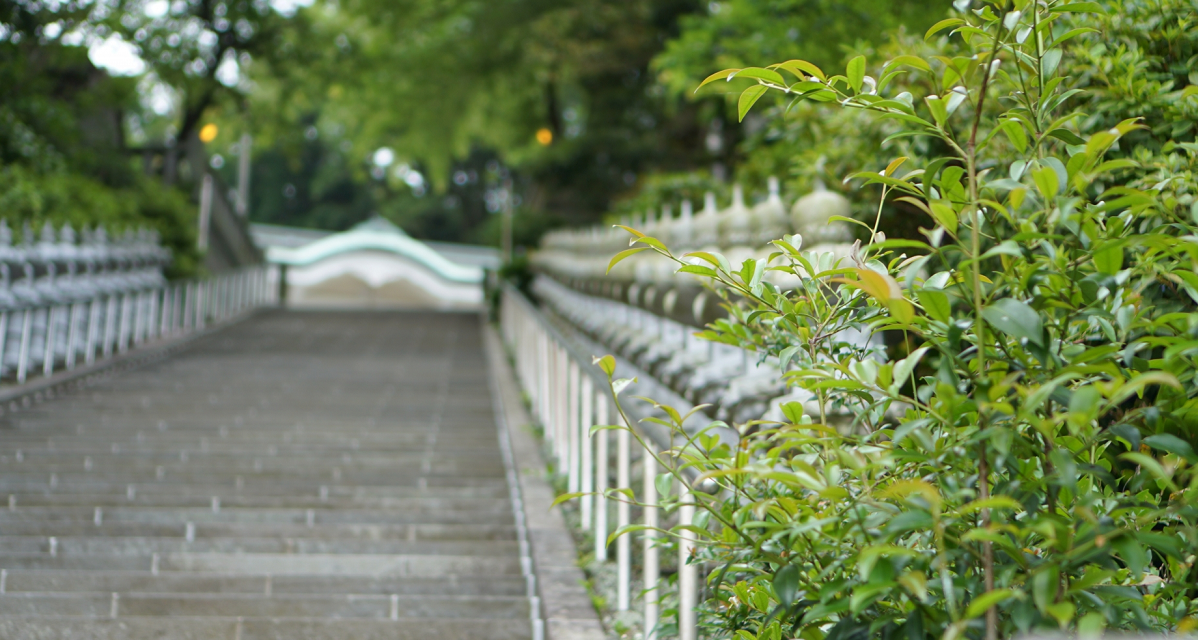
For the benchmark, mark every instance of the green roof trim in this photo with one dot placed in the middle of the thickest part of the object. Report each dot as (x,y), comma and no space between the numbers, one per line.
(376,234)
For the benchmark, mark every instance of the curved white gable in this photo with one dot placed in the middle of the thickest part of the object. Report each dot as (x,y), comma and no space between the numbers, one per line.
(376,264)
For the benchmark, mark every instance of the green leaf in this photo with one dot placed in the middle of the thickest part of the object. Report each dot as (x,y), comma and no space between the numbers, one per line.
(993,502)
(938,109)
(759,74)
(944,215)
(698,270)
(1108,258)
(903,368)
(662,484)
(800,67)
(1015,133)
(748,98)
(1062,612)
(1016,319)
(983,602)
(628,528)
(901,310)
(616,259)
(718,75)
(621,384)
(1044,586)
(793,412)
(855,72)
(941,26)
(1078,7)
(1138,383)
(603,427)
(566,497)
(1171,444)
(607,363)
(1066,136)
(1046,181)
(786,584)
(936,304)
(916,583)
(910,61)
(1069,35)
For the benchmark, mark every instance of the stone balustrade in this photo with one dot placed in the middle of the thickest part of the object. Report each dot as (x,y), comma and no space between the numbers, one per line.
(70,297)
(647,312)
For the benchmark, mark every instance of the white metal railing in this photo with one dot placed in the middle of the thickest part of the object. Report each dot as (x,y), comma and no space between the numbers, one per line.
(569,395)
(42,338)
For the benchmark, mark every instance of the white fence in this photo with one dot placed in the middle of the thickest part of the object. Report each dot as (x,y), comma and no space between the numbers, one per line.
(42,338)
(568,395)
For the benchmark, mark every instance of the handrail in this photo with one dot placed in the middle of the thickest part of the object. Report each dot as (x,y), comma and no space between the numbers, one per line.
(44,337)
(576,353)
(560,382)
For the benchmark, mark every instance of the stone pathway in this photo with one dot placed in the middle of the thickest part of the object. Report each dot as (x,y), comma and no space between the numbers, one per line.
(299,476)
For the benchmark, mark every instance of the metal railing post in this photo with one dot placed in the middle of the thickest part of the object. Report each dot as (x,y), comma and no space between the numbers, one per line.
(93,326)
(177,307)
(651,562)
(559,397)
(543,375)
(48,345)
(73,335)
(23,354)
(602,469)
(110,320)
(623,519)
(201,303)
(586,393)
(138,317)
(573,448)
(122,334)
(688,574)
(3,337)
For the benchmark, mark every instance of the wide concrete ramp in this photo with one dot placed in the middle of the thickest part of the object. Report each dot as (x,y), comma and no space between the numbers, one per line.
(298,475)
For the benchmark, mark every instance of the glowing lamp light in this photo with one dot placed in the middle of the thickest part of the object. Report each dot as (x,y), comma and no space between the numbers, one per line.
(208,133)
(544,136)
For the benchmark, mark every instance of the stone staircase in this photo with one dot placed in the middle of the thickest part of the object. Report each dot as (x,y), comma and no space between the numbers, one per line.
(300,476)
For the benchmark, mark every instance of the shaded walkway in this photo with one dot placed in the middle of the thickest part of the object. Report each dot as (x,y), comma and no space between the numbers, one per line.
(300,476)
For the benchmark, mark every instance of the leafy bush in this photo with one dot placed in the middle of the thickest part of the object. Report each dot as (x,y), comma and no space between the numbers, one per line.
(68,197)
(1029,464)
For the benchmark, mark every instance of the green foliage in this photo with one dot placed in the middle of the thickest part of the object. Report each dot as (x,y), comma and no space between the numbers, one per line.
(62,157)
(1029,463)
(440,81)
(71,198)
(186,43)
(736,33)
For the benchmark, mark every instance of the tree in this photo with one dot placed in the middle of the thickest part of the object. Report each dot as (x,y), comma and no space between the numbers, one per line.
(1028,465)
(202,49)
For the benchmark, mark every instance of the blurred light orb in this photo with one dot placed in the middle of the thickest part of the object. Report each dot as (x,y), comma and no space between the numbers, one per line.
(208,133)
(383,157)
(544,136)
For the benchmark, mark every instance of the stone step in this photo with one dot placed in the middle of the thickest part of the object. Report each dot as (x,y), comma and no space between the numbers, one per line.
(318,531)
(301,476)
(257,488)
(427,566)
(19,581)
(482,507)
(137,513)
(140,546)
(172,475)
(371,606)
(435,464)
(207,628)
